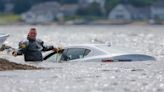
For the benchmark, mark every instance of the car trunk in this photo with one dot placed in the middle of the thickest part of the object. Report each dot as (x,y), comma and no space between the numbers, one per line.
(133,57)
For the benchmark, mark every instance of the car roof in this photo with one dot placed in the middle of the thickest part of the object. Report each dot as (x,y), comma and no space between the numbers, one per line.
(108,49)
(84,45)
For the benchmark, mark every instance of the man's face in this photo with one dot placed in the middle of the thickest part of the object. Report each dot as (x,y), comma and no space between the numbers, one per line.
(32,34)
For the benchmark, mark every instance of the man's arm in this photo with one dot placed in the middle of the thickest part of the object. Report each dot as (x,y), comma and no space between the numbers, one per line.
(46,48)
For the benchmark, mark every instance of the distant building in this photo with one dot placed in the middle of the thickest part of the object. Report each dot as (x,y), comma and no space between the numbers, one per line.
(129,13)
(42,13)
(157,10)
(122,12)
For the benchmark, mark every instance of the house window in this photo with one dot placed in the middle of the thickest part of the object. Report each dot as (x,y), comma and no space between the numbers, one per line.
(120,16)
(120,10)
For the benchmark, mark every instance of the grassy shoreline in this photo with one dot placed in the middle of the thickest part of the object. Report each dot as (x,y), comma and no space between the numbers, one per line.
(9,19)
(13,19)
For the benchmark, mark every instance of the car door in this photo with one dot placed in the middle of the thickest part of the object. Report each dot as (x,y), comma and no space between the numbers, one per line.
(53,57)
(74,53)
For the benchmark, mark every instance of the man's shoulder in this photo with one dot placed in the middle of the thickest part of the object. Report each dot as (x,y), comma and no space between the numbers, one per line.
(39,40)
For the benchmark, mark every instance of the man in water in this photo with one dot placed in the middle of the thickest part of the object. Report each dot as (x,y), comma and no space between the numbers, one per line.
(32,47)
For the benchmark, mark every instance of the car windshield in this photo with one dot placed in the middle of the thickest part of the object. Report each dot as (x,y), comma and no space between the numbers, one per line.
(74,53)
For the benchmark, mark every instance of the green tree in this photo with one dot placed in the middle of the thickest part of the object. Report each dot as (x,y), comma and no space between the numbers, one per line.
(141,2)
(93,10)
(21,6)
(110,4)
(1,5)
(68,1)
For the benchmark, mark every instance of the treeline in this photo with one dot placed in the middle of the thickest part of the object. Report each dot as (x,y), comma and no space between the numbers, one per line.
(109,4)
(96,9)
(24,5)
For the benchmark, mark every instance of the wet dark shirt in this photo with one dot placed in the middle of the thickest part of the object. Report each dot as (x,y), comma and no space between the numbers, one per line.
(32,49)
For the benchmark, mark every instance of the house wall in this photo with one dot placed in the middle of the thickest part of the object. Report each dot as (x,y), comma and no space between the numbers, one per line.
(120,13)
(38,17)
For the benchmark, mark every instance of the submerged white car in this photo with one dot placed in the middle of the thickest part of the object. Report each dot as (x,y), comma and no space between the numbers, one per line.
(96,53)
(3,37)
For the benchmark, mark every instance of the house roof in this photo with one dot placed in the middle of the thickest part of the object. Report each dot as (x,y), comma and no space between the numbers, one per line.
(46,7)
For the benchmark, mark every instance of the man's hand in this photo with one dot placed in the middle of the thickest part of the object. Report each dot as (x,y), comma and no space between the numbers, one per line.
(58,50)
(14,53)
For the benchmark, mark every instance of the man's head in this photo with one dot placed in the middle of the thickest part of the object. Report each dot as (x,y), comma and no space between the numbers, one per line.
(32,33)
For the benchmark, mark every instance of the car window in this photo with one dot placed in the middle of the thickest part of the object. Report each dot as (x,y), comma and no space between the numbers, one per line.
(74,53)
(55,58)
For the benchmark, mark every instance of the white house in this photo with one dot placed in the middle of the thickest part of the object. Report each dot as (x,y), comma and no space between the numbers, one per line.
(129,13)
(122,12)
(42,13)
